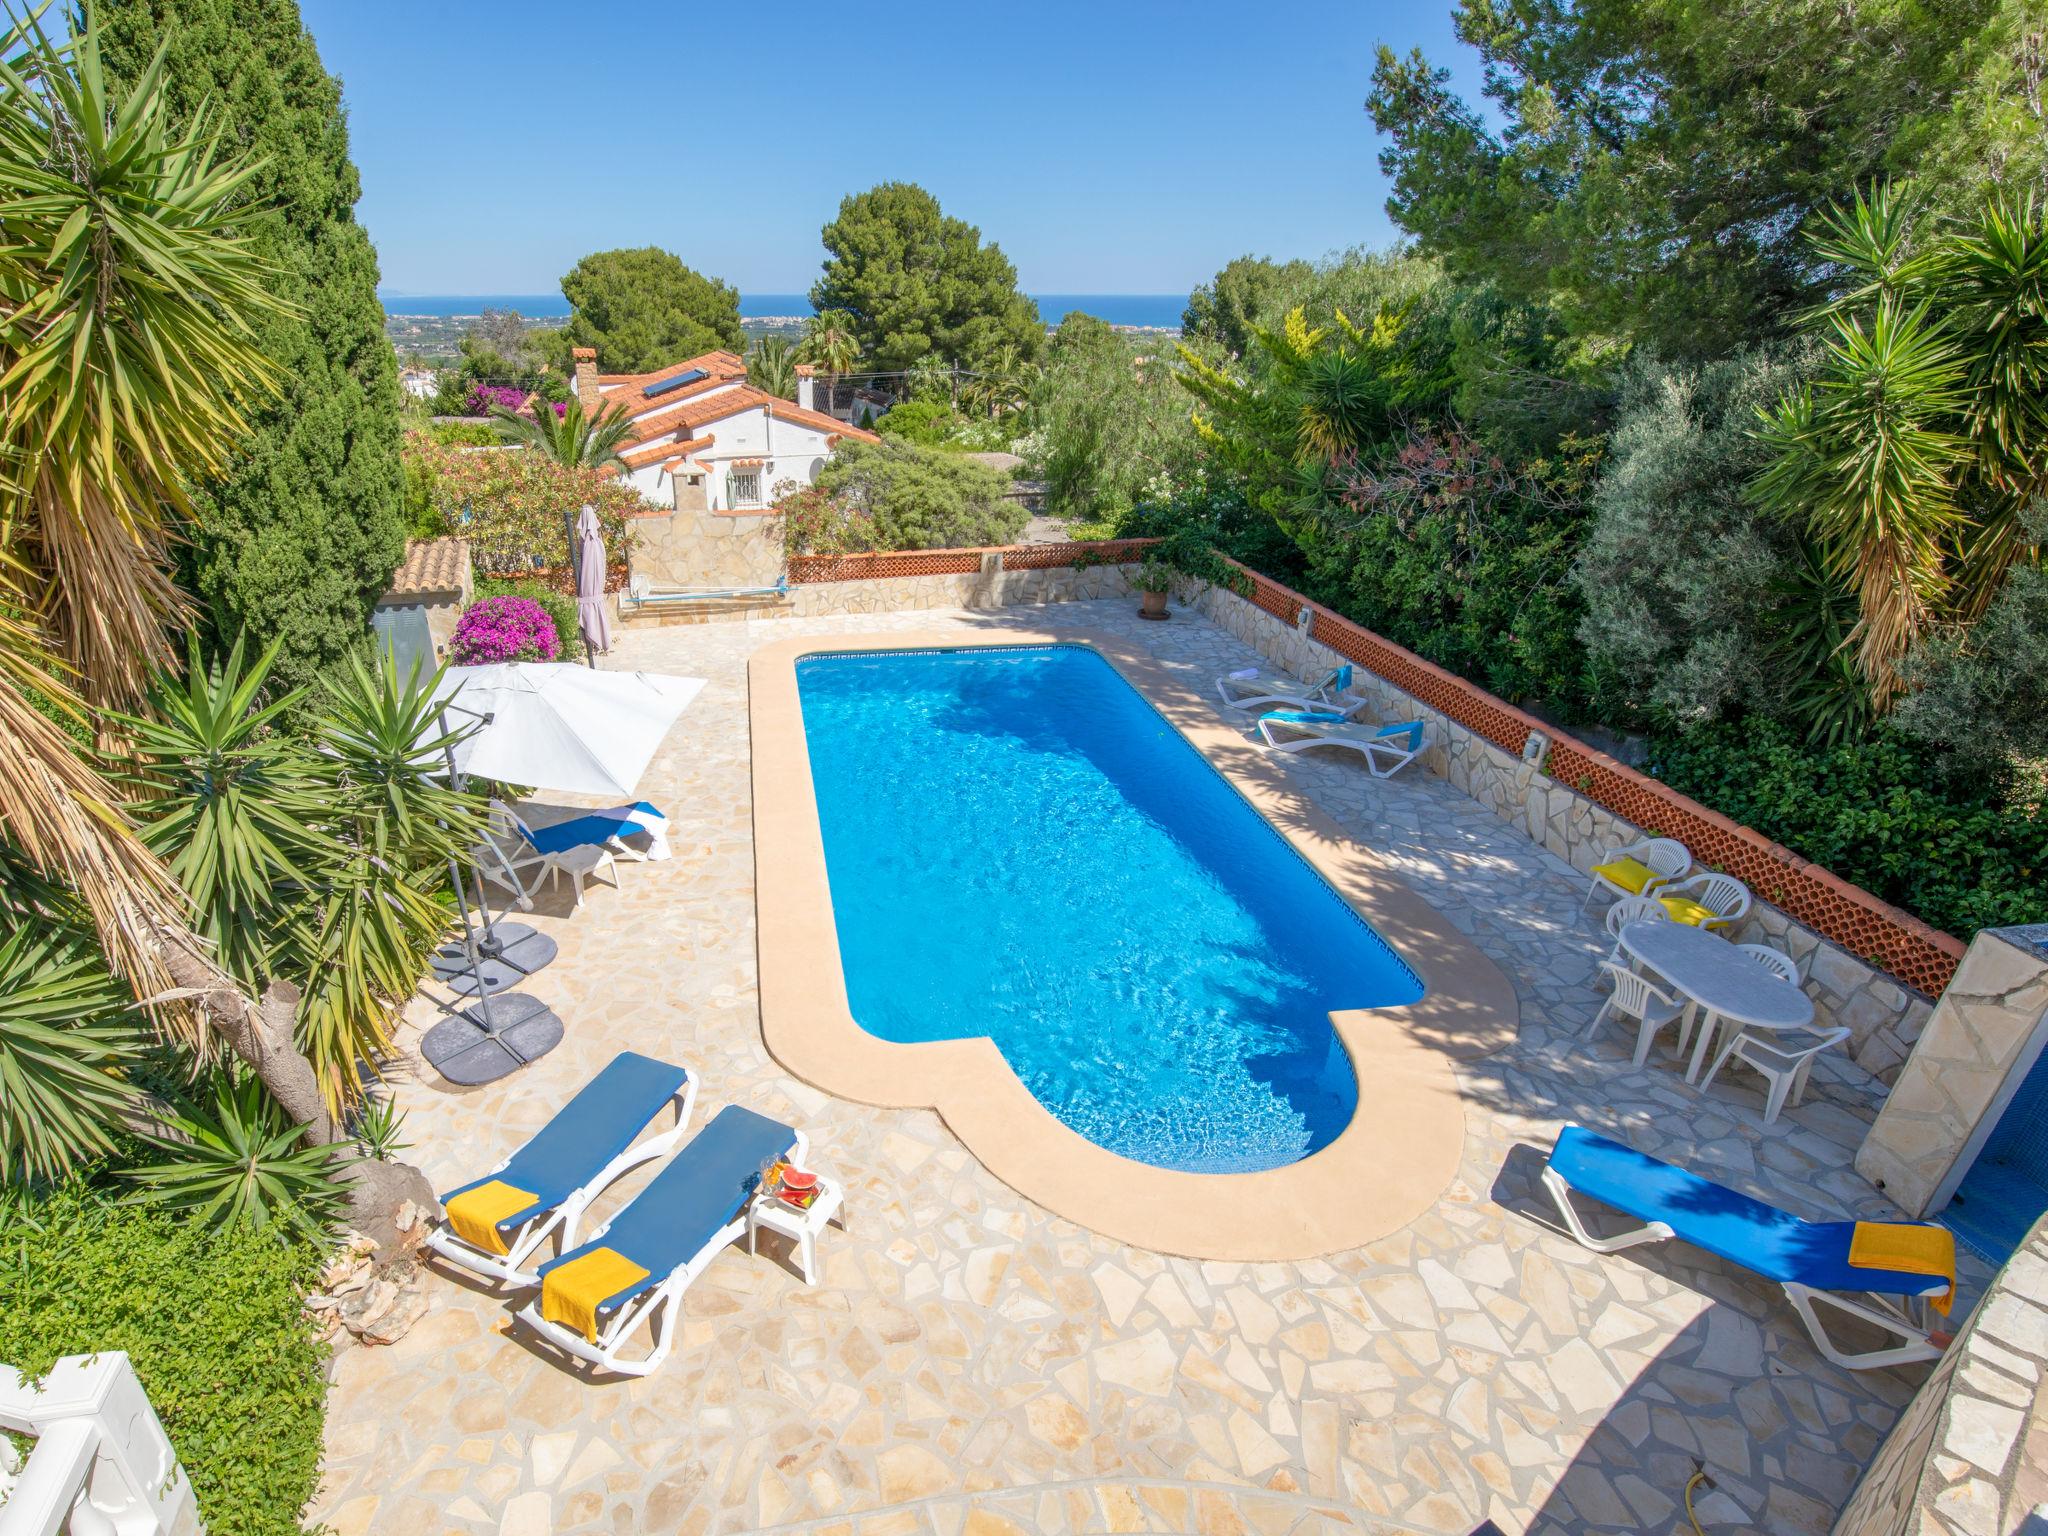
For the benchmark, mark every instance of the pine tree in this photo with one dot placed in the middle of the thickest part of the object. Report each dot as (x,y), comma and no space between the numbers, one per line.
(300,537)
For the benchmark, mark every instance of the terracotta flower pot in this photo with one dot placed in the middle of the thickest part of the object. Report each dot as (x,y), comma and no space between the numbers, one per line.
(1153,606)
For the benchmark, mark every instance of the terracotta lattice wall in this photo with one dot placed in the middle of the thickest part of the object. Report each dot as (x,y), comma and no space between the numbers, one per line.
(1906,948)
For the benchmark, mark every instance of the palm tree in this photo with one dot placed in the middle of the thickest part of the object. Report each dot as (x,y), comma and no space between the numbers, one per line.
(1003,384)
(771,367)
(565,433)
(129,312)
(830,345)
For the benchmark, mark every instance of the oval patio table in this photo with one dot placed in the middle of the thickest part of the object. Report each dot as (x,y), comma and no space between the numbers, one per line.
(1719,978)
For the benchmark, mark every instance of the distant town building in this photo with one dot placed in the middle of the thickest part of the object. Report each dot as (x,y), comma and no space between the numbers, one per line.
(420,383)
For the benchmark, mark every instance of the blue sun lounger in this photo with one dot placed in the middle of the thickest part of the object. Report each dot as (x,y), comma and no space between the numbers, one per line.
(1810,1259)
(498,1222)
(595,1297)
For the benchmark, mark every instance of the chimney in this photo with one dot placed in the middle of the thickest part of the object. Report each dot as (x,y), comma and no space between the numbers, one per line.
(586,379)
(806,386)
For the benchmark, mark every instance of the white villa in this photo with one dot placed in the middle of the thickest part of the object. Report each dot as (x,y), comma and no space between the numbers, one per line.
(704,440)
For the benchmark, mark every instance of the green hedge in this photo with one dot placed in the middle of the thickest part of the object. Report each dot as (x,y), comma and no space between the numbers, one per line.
(212,1322)
(1878,813)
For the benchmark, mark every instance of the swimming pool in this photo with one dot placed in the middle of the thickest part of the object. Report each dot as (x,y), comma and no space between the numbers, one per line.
(1019,846)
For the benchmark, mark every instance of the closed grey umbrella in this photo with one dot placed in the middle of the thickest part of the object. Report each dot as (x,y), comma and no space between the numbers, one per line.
(590,573)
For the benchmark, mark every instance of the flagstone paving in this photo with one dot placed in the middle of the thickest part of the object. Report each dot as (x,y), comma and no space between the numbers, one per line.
(970,1364)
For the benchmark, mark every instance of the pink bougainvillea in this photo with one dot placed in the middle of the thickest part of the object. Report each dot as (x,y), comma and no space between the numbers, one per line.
(504,629)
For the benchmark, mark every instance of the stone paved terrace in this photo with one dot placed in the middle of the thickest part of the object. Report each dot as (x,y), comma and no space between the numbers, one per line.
(971,1364)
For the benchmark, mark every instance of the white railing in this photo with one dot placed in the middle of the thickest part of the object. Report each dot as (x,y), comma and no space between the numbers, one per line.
(99,1463)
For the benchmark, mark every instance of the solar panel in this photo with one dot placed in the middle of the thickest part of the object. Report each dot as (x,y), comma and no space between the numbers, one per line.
(662,387)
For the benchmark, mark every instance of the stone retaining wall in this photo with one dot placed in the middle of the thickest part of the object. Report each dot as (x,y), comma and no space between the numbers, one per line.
(989,588)
(1969,1456)
(1885,1017)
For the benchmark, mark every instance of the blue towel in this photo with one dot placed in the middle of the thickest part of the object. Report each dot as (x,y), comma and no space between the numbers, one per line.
(607,1115)
(1773,1243)
(1303,716)
(706,1186)
(588,831)
(1342,679)
(1412,730)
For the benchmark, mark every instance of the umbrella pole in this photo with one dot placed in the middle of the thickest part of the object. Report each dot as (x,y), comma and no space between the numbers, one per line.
(576,578)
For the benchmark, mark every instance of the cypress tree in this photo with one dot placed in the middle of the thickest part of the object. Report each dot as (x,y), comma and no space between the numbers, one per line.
(298,540)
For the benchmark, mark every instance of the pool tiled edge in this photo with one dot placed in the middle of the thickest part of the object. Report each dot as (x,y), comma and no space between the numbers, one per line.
(1385,1169)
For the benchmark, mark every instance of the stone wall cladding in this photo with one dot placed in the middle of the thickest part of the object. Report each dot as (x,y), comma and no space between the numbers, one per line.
(1974,1040)
(708,549)
(883,564)
(1969,1456)
(1491,750)
(997,588)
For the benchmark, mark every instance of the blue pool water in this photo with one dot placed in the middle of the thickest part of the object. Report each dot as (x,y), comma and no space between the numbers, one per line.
(1019,846)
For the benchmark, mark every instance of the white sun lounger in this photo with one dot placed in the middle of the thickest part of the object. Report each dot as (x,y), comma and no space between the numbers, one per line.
(1255,688)
(549,1182)
(1387,749)
(647,1255)
(576,849)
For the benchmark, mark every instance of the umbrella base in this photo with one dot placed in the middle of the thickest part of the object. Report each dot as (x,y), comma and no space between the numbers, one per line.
(508,953)
(491,1040)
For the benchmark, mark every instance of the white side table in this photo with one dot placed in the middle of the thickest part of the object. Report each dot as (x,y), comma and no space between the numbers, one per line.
(801,1227)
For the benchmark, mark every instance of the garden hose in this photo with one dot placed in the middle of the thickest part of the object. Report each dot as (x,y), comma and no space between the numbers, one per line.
(1699,1475)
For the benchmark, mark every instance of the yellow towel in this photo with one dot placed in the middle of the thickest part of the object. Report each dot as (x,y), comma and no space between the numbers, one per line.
(572,1294)
(475,1213)
(1630,874)
(1910,1250)
(1684,909)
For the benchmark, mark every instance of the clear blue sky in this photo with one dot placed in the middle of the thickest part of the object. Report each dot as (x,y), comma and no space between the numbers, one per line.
(1114,146)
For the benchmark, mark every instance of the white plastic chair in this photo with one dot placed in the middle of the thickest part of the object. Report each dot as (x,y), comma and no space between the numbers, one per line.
(1784,1066)
(1773,960)
(1631,909)
(1724,896)
(1636,998)
(1664,857)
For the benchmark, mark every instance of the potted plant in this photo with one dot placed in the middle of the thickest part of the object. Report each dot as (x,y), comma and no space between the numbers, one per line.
(1154,579)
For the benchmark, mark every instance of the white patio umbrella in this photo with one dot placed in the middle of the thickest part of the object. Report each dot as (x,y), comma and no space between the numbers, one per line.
(562,727)
(590,575)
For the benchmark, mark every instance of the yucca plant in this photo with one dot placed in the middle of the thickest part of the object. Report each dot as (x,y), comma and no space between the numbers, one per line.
(232,1157)
(129,310)
(569,435)
(1912,456)
(68,1034)
(378,1127)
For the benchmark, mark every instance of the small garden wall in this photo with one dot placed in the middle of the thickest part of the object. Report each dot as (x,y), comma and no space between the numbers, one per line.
(1868,965)
(996,577)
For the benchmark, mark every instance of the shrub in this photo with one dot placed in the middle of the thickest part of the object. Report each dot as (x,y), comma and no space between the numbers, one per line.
(504,629)
(482,397)
(927,423)
(508,503)
(814,522)
(896,496)
(1680,572)
(211,1319)
(1961,855)
(560,606)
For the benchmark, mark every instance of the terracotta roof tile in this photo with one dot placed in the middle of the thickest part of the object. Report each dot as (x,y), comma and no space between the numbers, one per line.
(432,565)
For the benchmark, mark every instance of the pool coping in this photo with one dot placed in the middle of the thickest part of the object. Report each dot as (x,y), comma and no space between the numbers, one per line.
(1387,1167)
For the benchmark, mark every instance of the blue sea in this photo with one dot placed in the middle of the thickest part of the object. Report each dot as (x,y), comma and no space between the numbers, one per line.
(1154,960)
(1158,310)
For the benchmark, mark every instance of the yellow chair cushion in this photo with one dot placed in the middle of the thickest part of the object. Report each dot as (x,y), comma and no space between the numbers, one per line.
(1684,909)
(1630,874)
(571,1294)
(1908,1249)
(475,1213)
